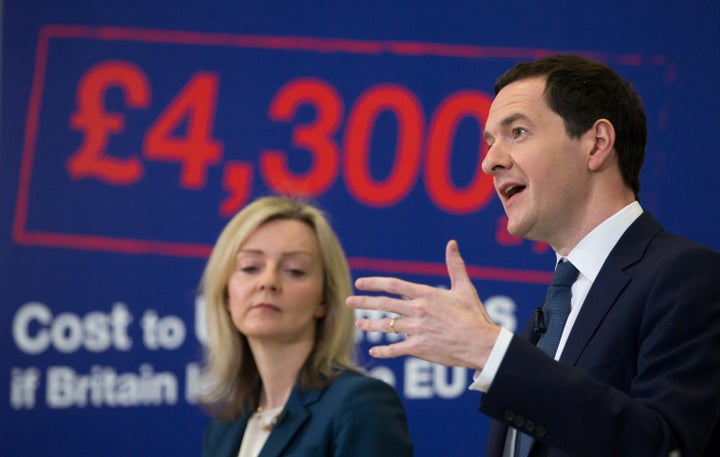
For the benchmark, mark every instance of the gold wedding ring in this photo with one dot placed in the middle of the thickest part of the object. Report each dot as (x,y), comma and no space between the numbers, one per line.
(392,325)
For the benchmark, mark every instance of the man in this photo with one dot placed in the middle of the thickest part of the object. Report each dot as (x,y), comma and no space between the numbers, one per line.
(635,368)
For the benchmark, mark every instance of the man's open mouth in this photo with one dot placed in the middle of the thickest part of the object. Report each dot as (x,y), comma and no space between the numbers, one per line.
(512,190)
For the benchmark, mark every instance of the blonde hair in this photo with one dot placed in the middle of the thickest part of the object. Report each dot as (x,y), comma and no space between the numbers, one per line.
(231,377)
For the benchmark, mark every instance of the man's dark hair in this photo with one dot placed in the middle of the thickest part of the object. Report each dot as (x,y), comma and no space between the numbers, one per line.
(582,91)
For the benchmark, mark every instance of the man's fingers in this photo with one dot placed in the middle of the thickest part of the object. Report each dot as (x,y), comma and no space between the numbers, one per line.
(456,267)
(387,325)
(392,286)
(380,303)
(390,351)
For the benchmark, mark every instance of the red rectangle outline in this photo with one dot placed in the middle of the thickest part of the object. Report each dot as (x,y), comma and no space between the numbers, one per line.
(290,43)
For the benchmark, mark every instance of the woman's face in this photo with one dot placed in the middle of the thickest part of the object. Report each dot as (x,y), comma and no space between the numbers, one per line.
(276,289)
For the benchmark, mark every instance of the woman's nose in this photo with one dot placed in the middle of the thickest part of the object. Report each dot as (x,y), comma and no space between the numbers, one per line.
(270,281)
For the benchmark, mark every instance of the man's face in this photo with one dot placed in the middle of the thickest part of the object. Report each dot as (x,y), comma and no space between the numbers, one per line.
(540,173)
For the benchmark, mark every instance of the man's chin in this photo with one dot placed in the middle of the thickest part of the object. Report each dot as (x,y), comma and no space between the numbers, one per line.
(515,228)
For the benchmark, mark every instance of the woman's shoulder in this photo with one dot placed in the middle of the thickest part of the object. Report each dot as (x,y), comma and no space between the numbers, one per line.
(355,383)
(356,376)
(365,416)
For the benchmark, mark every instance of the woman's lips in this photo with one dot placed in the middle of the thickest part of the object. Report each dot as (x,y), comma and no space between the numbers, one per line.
(266,307)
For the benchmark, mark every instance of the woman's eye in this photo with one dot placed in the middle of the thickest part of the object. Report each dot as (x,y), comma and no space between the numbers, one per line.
(295,272)
(249,269)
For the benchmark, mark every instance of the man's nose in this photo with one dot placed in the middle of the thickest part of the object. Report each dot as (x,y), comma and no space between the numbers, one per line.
(495,159)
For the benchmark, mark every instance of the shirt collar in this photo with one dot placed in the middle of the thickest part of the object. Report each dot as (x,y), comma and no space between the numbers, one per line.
(591,252)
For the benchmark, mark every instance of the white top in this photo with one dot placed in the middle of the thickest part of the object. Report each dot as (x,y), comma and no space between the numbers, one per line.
(257,431)
(588,257)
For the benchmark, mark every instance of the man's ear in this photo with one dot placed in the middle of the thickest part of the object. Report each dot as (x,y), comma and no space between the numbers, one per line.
(602,133)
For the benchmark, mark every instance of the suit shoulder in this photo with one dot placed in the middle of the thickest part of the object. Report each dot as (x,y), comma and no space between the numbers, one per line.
(668,246)
(354,384)
(647,239)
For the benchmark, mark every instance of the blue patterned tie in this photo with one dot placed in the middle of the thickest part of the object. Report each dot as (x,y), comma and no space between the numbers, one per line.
(555,311)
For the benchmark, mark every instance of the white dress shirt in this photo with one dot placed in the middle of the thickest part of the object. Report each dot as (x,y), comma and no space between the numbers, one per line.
(258,431)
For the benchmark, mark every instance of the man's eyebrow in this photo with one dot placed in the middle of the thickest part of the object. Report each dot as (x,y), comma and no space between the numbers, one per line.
(512,118)
(506,122)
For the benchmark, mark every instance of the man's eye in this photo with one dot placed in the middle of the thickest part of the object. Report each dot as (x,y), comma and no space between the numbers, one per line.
(518,132)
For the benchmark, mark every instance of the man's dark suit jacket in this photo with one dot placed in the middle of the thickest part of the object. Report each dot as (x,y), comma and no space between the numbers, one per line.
(640,372)
(356,415)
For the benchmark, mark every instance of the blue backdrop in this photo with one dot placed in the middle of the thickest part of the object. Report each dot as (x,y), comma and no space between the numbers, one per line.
(131,133)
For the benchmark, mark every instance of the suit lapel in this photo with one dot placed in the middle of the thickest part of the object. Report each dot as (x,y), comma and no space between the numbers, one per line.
(232,437)
(609,283)
(601,297)
(291,419)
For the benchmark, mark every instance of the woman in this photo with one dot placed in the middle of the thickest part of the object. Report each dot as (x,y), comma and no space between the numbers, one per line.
(281,344)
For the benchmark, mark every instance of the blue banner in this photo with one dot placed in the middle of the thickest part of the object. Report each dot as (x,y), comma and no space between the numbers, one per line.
(131,134)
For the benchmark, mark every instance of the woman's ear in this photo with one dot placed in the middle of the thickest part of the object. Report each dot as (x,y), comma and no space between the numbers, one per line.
(602,133)
(321,310)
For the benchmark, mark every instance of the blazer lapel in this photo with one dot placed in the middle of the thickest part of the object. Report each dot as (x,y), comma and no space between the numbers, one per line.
(231,438)
(291,419)
(609,283)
